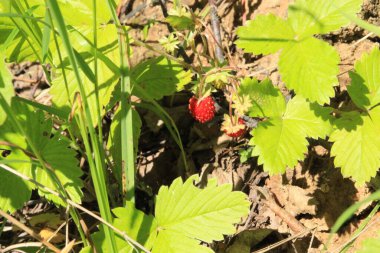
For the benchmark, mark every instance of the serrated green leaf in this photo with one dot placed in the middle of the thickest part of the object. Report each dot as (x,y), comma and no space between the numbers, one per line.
(280,142)
(158,77)
(77,14)
(14,192)
(134,223)
(309,17)
(180,22)
(267,100)
(53,150)
(365,81)
(6,85)
(356,145)
(310,68)
(108,74)
(114,140)
(203,214)
(265,35)
(369,245)
(171,242)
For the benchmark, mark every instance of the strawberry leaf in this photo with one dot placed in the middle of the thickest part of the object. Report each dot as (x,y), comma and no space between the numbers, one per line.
(134,223)
(356,145)
(53,150)
(158,77)
(255,37)
(203,214)
(267,100)
(308,17)
(108,72)
(365,86)
(280,142)
(310,68)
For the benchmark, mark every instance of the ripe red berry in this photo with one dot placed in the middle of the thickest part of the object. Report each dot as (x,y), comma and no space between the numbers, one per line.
(203,110)
(236,131)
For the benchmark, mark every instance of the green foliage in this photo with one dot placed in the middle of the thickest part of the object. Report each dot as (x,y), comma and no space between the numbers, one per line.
(52,147)
(307,65)
(134,223)
(108,73)
(6,88)
(280,140)
(267,100)
(114,141)
(185,215)
(356,136)
(369,245)
(365,86)
(158,77)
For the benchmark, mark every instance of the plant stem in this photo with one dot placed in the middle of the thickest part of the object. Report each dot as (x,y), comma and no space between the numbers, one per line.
(215,24)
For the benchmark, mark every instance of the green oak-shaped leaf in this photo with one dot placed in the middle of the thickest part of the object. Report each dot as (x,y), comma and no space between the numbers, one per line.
(267,100)
(264,35)
(308,17)
(356,145)
(280,142)
(134,223)
(365,85)
(310,68)
(201,214)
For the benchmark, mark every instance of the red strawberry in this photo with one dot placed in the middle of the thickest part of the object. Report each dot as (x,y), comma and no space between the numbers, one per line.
(231,129)
(203,110)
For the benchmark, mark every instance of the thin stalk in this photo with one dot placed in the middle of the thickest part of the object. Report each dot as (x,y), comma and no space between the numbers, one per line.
(97,167)
(95,41)
(127,146)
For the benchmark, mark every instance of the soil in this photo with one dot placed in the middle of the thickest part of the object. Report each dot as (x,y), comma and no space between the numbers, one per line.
(311,196)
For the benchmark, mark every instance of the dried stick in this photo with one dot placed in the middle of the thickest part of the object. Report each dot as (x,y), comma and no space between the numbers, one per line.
(29,231)
(215,24)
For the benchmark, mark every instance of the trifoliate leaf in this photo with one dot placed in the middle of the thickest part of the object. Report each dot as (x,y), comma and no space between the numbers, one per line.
(114,140)
(266,99)
(134,223)
(310,68)
(356,145)
(53,150)
(365,86)
(158,77)
(202,214)
(265,35)
(309,17)
(280,142)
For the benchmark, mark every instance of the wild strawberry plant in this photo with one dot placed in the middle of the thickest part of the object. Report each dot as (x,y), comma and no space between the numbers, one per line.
(86,53)
(309,66)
